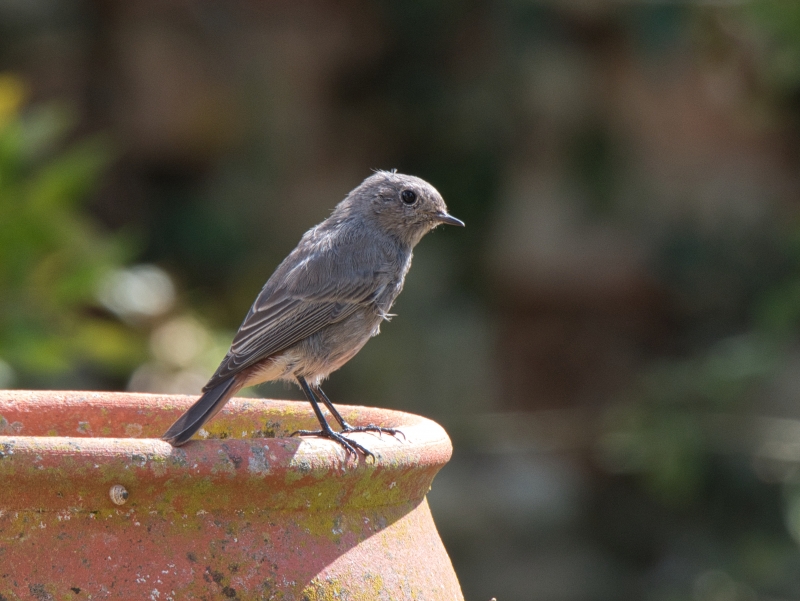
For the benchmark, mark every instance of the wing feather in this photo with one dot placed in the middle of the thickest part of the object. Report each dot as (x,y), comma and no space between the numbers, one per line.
(283,315)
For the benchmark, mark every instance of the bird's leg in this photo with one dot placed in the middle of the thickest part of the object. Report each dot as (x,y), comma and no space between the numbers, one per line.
(351,446)
(347,427)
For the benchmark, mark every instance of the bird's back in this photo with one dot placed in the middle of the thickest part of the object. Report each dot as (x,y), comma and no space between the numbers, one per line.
(324,301)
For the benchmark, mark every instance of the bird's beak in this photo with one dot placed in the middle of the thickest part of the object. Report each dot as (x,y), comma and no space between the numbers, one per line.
(448,219)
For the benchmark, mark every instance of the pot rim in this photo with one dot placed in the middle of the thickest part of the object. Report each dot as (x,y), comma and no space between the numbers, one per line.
(64,450)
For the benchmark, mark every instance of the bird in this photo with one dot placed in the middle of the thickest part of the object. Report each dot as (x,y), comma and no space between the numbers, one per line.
(326,299)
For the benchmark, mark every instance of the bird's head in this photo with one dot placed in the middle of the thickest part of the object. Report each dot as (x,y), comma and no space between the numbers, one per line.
(404,206)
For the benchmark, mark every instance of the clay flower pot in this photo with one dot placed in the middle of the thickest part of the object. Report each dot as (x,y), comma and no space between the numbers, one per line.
(93,505)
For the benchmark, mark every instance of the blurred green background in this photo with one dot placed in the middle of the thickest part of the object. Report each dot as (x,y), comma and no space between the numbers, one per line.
(612,342)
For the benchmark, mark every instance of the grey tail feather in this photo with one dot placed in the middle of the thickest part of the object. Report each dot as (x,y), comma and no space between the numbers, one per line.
(198,414)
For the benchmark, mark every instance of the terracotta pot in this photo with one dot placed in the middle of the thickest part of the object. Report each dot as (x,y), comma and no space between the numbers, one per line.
(93,506)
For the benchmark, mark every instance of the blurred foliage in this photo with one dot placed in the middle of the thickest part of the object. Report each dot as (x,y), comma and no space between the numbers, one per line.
(687,430)
(54,256)
(779,24)
(661,430)
(681,439)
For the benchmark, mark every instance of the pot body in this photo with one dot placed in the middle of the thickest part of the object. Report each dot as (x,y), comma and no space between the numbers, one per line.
(92,505)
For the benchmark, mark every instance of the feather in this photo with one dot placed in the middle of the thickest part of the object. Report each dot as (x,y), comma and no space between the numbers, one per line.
(198,414)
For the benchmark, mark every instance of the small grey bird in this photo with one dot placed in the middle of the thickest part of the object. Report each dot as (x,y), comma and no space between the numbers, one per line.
(325,300)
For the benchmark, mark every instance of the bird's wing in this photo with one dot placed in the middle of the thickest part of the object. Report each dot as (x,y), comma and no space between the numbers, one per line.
(302,305)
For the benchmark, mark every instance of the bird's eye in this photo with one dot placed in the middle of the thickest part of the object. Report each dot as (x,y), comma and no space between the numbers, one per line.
(408,196)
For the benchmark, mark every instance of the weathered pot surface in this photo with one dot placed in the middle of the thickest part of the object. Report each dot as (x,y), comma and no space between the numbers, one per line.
(94,506)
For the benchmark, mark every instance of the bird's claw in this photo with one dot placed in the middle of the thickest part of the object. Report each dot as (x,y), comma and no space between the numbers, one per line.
(373,428)
(349,445)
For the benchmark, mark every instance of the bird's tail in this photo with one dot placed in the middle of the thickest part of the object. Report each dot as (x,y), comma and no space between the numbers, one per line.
(198,414)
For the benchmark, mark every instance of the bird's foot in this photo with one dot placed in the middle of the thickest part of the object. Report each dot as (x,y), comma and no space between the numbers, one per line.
(349,445)
(372,428)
